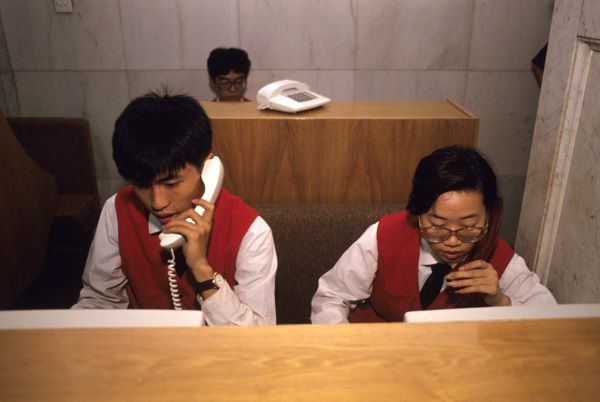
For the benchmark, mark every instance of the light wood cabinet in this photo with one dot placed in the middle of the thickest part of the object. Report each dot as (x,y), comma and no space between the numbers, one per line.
(345,152)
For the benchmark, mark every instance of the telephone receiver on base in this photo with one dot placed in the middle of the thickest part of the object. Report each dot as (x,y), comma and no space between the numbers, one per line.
(212,176)
(289,96)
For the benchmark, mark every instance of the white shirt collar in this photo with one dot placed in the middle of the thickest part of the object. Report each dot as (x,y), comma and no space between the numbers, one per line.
(154,225)
(427,257)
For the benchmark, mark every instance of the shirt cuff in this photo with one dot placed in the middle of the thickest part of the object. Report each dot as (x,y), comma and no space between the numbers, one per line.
(220,307)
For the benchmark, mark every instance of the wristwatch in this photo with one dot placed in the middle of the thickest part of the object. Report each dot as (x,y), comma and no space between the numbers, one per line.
(216,282)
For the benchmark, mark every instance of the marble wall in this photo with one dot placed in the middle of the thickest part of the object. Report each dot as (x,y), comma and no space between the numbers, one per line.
(93,62)
(559,231)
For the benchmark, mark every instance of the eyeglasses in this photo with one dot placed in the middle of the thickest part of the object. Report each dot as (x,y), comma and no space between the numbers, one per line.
(225,84)
(439,234)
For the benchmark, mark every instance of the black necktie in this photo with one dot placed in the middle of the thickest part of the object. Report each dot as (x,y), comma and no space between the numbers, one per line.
(433,284)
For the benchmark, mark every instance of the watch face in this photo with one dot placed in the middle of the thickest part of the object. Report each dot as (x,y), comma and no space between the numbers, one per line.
(219,281)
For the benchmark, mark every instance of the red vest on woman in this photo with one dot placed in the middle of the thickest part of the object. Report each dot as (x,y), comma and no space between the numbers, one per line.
(144,261)
(396,285)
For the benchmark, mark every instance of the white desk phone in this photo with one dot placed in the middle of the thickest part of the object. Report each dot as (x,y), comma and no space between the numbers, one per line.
(289,96)
(212,176)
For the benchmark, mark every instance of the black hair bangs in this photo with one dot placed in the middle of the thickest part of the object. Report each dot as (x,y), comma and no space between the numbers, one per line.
(453,168)
(157,135)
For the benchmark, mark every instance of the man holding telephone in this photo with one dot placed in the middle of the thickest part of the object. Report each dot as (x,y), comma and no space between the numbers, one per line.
(227,264)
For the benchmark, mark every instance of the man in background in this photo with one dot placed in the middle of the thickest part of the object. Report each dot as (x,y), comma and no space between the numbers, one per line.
(228,71)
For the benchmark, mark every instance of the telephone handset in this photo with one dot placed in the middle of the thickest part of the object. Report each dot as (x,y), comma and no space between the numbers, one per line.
(482,250)
(212,176)
(289,96)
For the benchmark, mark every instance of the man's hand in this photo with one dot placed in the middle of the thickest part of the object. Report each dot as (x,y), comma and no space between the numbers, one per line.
(478,277)
(197,235)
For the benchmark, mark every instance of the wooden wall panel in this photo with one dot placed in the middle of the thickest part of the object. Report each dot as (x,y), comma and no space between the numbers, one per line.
(27,207)
(351,153)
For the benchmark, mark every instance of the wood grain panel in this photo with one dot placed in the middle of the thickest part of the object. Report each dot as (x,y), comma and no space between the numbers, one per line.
(353,153)
(27,206)
(522,360)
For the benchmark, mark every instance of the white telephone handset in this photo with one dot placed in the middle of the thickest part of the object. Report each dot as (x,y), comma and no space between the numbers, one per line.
(212,176)
(289,96)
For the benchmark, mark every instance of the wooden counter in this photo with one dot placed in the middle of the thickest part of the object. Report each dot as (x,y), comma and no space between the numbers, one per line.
(345,152)
(480,361)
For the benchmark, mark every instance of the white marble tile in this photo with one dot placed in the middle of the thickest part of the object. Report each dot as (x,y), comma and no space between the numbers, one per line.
(336,85)
(309,34)
(97,96)
(260,78)
(563,35)
(191,82)
(152,34)
(413,34)
(9,102)
(590,20)
(5,65)
(109,186)
(506,104)
(208,24)
(40,39)
(412,49)
(50,94)
(511,188)
(167,35)
(339,86)
(574,276)
(507,34)
(410,85)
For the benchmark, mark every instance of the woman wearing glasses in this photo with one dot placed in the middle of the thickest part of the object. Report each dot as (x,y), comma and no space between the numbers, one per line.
(228,71)
(442,252)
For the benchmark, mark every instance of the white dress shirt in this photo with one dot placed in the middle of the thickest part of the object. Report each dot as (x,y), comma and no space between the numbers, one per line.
(351,280)
(251,302)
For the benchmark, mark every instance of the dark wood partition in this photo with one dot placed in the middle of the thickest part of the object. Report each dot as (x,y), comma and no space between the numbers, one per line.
(345,152)
(27,206)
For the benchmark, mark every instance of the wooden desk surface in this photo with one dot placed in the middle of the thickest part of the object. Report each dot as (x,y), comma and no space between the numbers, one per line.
(503,361)
(448,109)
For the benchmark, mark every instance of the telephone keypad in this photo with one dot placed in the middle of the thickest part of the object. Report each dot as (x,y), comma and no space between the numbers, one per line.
(301,96)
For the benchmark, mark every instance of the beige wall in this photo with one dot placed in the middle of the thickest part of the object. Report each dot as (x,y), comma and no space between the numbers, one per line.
(92,62)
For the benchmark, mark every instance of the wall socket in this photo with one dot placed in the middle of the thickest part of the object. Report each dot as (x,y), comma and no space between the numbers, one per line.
(63,6)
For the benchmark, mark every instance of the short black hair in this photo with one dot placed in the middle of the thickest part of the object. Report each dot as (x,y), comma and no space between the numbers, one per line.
(453,168)
(221,61)
(157,134)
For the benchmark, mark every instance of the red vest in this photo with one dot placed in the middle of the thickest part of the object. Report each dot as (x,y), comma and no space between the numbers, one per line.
(396,285)
(144,262)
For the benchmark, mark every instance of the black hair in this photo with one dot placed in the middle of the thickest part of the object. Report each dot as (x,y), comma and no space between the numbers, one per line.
(453,168)
(157,134)
(221,61)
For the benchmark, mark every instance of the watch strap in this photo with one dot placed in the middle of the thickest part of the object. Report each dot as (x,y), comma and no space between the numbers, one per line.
(207,284)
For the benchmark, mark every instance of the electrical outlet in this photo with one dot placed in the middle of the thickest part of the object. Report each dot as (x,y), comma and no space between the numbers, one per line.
(63,6)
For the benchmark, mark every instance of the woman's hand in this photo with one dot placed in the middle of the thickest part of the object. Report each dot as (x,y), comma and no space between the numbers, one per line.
(478,277)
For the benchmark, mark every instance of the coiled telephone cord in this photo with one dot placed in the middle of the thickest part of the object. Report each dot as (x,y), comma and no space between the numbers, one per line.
(172,273)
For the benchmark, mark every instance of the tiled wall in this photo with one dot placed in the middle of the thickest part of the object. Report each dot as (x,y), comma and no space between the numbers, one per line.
(92,62)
